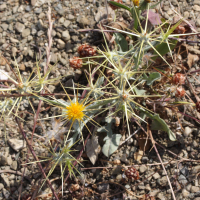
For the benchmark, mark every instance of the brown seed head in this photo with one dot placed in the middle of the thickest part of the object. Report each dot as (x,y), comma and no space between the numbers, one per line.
(132,173)
(85,50)
(178,78)
(180,92)
(75,62)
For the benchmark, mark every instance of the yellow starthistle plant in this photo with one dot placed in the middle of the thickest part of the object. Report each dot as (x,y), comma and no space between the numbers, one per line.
(76,112)
(61,157)
(24,87)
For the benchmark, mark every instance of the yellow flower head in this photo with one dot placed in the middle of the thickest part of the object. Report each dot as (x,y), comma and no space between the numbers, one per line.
(136,2)
(75,111)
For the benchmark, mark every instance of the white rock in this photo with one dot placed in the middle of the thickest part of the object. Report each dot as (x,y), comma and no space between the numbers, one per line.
(17,144)
(196,8)
(65,35)
(1,186)
(2,6)
(5,159)
(61,44)
(143,168)
(66,23)
(6,193)
(13,40)
(5,180)
(156,175)
(188,131)
(185,193)
(26,32)
(3,75)
(196,2)
(14,51)
(19,27)
(195,189)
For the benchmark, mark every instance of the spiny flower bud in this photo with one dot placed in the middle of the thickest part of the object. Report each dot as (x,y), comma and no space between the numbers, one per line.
(115,7)
(132,173)
(75,62)
(180,92)
(179,78)
(136,2)
(85,50)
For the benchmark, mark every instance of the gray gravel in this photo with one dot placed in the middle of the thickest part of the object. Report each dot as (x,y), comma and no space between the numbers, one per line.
(23,30)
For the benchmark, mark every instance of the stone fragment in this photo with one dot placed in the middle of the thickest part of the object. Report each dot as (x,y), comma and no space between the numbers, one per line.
(195,169)
(83,21)
(138,155)
(17,144)
(1,186)
(13,40)
(182,180)
(186,14)
(196,2)
(26,32)
(163,181)
(185,193)
(14,165)
(40,33)
(11,177)
(198,22)
(156,175)
(54,58)
(65,35)
(124,158)
(119,177)
(103,187)
(5,180)
(3,7)
(5,159)
(4,27)
(196,8)
(142,169)
(61,44)
(6,193)
(161,196)
(14,51)
(19,27)
(188,131)
(66,23)
(195,189)
(33,2)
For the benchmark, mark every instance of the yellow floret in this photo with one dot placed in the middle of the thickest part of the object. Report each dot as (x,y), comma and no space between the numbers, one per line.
(75,111)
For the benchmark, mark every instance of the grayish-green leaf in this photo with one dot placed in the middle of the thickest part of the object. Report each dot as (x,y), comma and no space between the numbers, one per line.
(152,77)
(121,42)
(111,140)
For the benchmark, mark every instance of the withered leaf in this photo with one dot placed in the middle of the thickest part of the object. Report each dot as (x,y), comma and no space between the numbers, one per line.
(93,149)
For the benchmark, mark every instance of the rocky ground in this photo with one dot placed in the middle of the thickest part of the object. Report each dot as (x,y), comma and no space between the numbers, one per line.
(23,35)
